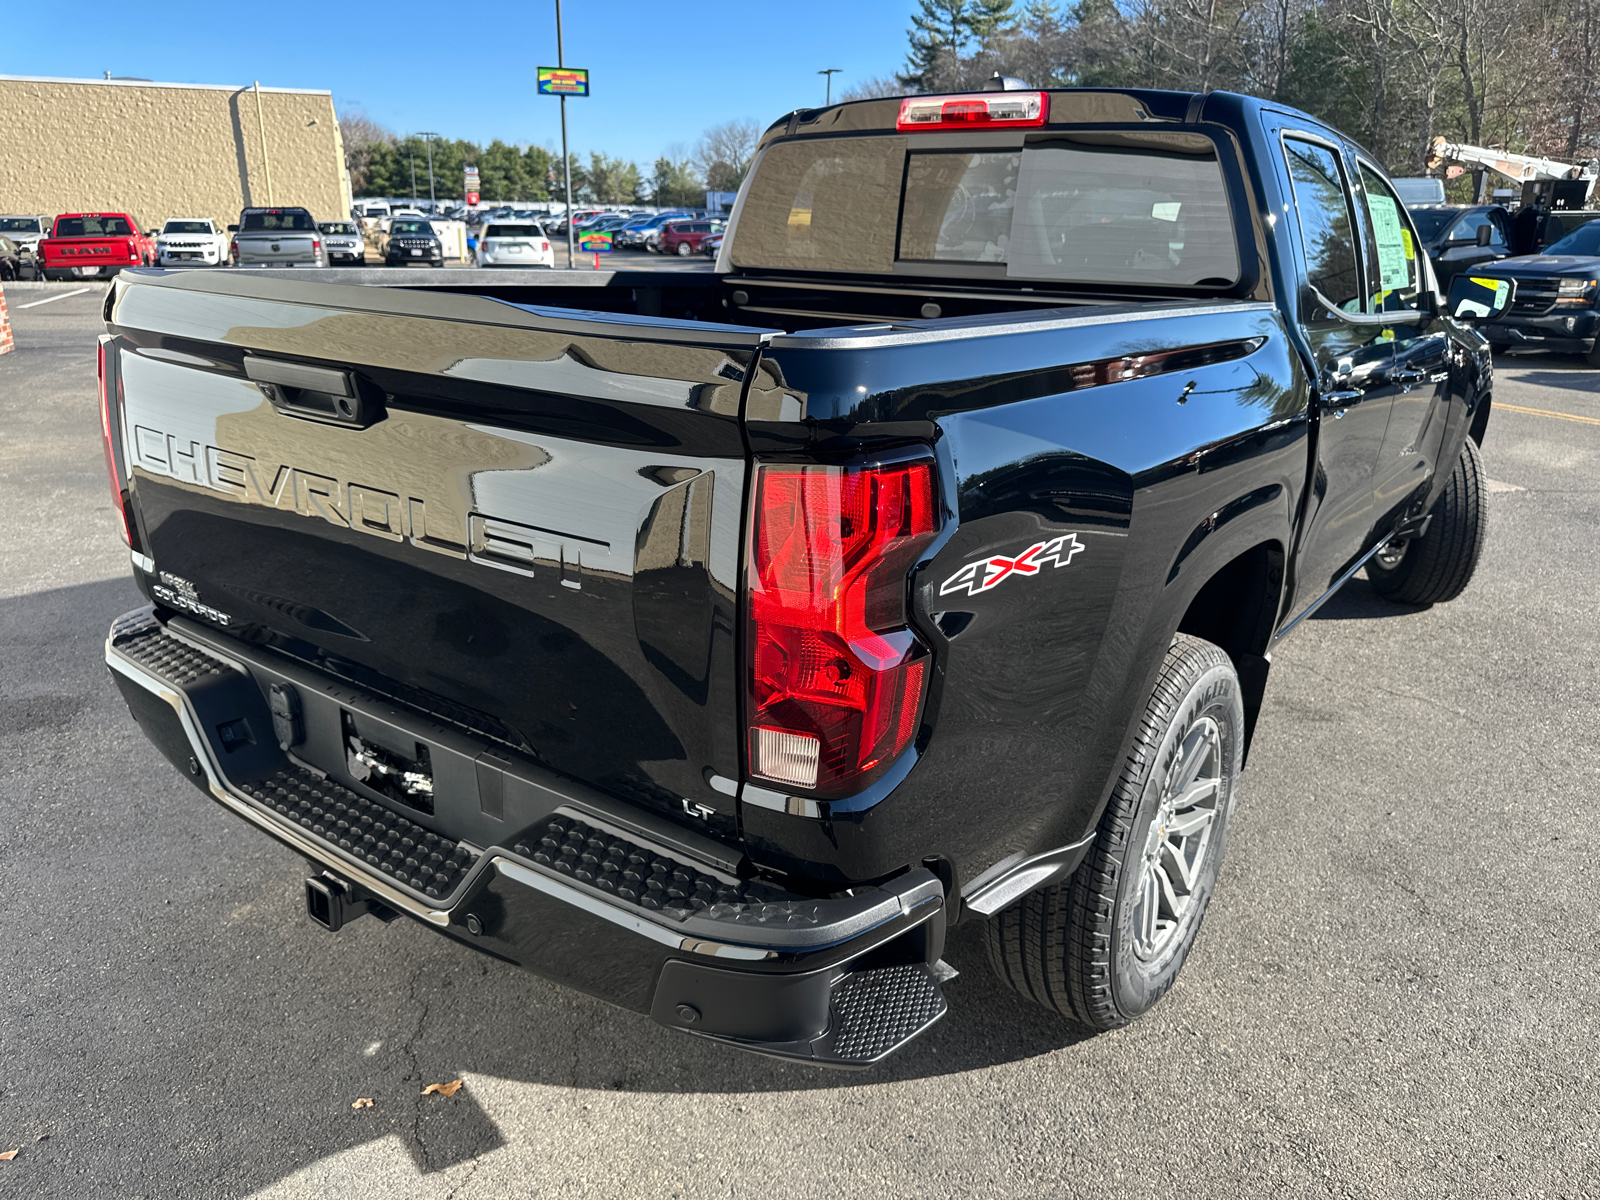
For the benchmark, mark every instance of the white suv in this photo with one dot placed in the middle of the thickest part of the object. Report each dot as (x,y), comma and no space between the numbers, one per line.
(191,242)
(514,244)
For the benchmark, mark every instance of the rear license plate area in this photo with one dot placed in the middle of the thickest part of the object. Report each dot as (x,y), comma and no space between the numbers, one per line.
(399,769)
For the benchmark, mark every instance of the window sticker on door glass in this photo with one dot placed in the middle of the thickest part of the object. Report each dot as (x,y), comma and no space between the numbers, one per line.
(1394,245)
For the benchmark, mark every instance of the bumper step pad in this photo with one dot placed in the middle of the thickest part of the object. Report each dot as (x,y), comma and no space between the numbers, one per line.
(401,850)
(875,1012)
(143,641)
(639,875)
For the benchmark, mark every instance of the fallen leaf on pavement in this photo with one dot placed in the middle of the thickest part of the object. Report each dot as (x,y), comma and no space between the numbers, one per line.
(362,1102)
(444,1089)
(8,1155)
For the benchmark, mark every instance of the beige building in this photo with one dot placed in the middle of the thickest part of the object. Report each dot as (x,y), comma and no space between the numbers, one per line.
(159,150)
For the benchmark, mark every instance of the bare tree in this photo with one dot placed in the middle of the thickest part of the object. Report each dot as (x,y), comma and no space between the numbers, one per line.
(724,152)
(875,89)
(361,135)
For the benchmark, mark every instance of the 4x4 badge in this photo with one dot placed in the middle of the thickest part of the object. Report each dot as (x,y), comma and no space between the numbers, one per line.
(988,573)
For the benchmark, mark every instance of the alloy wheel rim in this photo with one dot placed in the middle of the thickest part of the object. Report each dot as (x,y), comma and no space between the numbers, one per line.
(1389,557)
(1179,841)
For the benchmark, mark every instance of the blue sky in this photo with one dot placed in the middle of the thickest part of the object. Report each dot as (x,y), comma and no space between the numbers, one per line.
(661,72)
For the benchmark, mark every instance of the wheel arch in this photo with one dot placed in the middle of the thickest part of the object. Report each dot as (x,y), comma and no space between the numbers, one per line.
(1236,608)
(1480,418)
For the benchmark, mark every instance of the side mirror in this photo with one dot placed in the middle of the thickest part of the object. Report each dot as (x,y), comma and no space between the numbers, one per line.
(154,233)
(1476,298)
(1485,234)
(233,229)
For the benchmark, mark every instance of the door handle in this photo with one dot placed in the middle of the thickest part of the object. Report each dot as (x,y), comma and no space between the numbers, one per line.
(1337,402)
(1407,377)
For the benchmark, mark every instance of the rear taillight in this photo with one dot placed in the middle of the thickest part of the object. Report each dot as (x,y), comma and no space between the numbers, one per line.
(837,677)
(133,251)
(316,246)
(233,251)
(544,245)
(979,109)
(119,496)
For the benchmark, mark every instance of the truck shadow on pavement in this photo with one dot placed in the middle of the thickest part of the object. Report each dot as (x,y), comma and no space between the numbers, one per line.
(1356,601)
(193,925)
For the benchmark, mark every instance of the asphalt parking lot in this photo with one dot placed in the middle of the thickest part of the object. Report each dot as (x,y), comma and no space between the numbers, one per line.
(1397,991)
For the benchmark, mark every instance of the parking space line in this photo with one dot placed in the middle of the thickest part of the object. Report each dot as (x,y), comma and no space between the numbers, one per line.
(1545,412)
(81,291)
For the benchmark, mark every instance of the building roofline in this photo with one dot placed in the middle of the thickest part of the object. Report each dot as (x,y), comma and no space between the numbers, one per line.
(199,87)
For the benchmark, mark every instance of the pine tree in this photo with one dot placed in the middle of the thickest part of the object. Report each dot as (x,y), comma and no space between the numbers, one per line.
(987,20)
(1040,20)
(939,31)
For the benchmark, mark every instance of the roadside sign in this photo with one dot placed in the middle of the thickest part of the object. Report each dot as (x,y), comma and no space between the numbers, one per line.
(563,81)
(471,187)
(594,243)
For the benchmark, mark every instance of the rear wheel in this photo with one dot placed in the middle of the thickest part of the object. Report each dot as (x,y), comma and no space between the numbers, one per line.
(1102,947)
(684,249)
(1438,566)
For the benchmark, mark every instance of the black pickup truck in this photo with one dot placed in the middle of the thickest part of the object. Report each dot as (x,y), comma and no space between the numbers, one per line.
(711,642)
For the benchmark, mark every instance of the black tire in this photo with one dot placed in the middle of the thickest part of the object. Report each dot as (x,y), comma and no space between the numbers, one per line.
(1078,946)
(1437,567)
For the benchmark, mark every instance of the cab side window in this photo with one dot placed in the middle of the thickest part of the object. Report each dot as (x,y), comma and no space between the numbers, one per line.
(1394,274)
(1467,230)
(1326,225)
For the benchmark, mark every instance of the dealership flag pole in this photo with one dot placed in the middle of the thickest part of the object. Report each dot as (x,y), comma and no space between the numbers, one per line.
(566,159)
(430,135)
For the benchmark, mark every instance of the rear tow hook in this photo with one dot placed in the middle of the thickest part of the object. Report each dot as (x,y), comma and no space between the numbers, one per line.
(333,902)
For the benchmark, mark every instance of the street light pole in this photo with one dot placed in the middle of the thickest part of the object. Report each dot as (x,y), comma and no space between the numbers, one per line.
(411,149)
(566,159)
(830,73)
(430,135)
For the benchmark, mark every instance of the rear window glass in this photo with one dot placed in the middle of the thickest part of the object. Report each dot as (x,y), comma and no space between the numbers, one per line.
(69,227)
(823,206)
(292,220)
(1135,208)
(513,231)
(19,224)
(186,227)
(1138,209)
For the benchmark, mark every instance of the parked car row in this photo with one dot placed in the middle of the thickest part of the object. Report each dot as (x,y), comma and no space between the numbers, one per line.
(1556,272)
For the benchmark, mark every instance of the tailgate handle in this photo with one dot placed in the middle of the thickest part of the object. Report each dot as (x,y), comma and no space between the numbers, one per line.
(315,393)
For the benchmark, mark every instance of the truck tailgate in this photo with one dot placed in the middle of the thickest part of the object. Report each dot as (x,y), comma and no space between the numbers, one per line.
(530,529)
(273,248)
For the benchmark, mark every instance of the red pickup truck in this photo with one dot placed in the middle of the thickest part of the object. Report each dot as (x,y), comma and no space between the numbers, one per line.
(95,245)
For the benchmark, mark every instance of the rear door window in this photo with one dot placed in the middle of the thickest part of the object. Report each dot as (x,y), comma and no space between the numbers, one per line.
(1327,227)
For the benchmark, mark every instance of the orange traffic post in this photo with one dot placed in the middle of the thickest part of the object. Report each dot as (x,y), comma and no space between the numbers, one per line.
(6,344)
